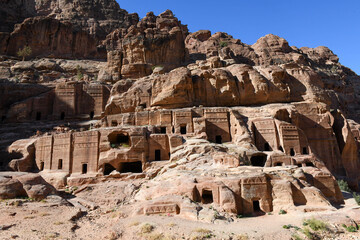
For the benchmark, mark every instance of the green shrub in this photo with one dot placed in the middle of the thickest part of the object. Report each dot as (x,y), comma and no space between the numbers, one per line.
(350,228)
(296,237)
(343,185)
(357,198)
(308,233)
(79,73)
(282,211)
(223,44)
(287,226)
(315,224)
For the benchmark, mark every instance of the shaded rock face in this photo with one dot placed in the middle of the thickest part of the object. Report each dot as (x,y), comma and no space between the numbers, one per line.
(54,38)
(66,29)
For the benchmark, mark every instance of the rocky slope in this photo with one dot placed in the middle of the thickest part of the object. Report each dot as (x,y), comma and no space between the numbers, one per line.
(154,120)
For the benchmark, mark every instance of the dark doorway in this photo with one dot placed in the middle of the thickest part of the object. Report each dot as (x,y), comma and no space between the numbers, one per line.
(114,123)
(305,151)
(92,114)
(3,118)
(157,155)
(60,164)
(292,152)
(256,206)
(207,196)
(122,139)
(84,168)
(309,164)
(133,167)
(183,129)
(143,105)
(173,129)
(266,147)
(42,165)
(163,130)
(38,116)
(299,165)
(218,139)
(62,115)
(258,161)
(278,164)
(108,168)
(281,149)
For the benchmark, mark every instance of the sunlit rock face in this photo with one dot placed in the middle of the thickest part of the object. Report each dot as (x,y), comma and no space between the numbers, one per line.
(201,119)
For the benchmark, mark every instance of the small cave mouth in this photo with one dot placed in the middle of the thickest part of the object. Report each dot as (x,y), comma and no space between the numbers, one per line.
(256,206)
(130,167)
(108,168)
(309,164)
(258,160)
(207,196)
(278,164)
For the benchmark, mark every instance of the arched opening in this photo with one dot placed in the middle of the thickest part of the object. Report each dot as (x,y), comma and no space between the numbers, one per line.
(281,148)
(183,129)
(292,152)
(157,155)
(62,115)
(309,164)
(299,165)
(92,114)
(143,105)
(38,116)
(278,164)
(108,168)
(218,139)
(84,168)
(173,129)
(305,150)
(114,123)
(42,165)
(60,164)
(266,147)
(256,206)
(133,167)
(206,196)
(258,160)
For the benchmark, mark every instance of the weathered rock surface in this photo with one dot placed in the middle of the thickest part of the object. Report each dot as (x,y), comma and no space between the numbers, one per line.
(197,124)
(67,29)
(154,41)
(29,185)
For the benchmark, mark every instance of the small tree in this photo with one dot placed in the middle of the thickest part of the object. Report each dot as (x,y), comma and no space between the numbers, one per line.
(25,52)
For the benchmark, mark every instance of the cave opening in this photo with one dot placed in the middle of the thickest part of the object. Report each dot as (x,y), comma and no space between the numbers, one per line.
(133,167)
(258,161)
(207,196)
(108,168)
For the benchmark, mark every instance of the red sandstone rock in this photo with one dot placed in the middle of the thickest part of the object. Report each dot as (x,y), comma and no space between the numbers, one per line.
(199,119)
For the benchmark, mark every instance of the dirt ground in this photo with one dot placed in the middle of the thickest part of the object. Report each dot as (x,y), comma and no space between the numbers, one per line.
(105,211)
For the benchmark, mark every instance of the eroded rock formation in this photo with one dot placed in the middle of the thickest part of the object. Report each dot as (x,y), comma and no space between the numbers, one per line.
(204,119)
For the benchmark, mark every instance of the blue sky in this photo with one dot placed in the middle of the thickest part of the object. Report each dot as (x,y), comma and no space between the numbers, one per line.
(335,24)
